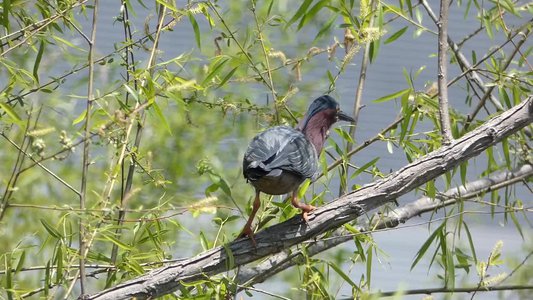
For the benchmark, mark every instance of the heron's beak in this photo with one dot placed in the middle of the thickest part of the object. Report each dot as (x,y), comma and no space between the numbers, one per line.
(344,117)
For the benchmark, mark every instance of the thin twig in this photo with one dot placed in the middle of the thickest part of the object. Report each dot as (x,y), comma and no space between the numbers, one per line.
(471,75)
(85,163)
(267,61)
(430,291)
(358,100)
(22,151)
(505,65)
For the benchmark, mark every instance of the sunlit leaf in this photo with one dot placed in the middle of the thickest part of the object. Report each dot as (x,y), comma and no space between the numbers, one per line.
(10,112)
(301,10)
(196,30)
(422,251)
(392,96)
(395,35)
(214,71)
(50,229)
(365,166)
(37,62)
(228,76)
(344,276)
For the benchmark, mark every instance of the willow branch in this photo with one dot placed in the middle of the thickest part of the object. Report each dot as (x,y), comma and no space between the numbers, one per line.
(455,290)
(358,100)
(442,75)
(466,66)
(85,163)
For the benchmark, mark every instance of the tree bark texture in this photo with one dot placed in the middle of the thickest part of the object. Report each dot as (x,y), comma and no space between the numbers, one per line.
(276,238)
(251,275)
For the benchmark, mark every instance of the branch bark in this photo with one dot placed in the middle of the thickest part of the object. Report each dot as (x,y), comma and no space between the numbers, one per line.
(290,257)
(442,76)
(281,236)
(470,72)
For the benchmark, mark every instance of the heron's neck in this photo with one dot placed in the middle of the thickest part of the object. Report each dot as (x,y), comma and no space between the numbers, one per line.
(317,129)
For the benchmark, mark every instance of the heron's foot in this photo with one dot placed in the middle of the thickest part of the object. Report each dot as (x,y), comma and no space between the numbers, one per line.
(306,210)
(247,232)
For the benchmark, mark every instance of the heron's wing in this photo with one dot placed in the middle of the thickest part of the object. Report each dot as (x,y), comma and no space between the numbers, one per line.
(279,149)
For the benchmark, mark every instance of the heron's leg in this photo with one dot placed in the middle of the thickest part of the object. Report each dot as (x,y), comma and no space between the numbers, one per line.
(306,208)
(247,230)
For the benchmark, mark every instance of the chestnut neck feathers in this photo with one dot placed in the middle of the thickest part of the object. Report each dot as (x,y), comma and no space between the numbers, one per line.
(316,127)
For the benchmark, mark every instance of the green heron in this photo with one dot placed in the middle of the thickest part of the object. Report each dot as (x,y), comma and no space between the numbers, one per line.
(279,159)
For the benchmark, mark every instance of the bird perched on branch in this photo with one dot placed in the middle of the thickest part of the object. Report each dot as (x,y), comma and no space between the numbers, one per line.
(279,159)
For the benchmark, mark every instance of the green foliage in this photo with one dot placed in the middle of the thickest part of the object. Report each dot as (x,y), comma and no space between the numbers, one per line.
(166,129)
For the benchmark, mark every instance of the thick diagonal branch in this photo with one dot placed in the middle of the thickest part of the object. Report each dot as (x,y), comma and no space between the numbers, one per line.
(281,236)
(286,259)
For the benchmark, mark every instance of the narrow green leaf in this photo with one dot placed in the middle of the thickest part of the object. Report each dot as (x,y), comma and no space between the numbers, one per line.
(38,61)
(326,28)
(8,281)
(47,281)
(132,92)
(224,187)
(303,188)
(20,263)
(343,275)
(430,189)
(228,76)
(301,10)
(360,248)
(345,135)
(196,30)
(516,223)
(309,15)
(117,242)
(133,266)
(270,7)
(167,4)
(10,112)
(426,245)
(396,35)
(59,264)
(392,96)
(215,70)
(364,167)
(231,259)
(204,242)
(462,172)
(80,118)
(447,261)
(505,96)
(51,230)
(505,148)
(470,242)
(369,254)
(161,117)
(488,27)
(95,256)
(331,78)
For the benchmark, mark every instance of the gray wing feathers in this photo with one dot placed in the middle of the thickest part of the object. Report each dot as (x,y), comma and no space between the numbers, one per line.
(278,148)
